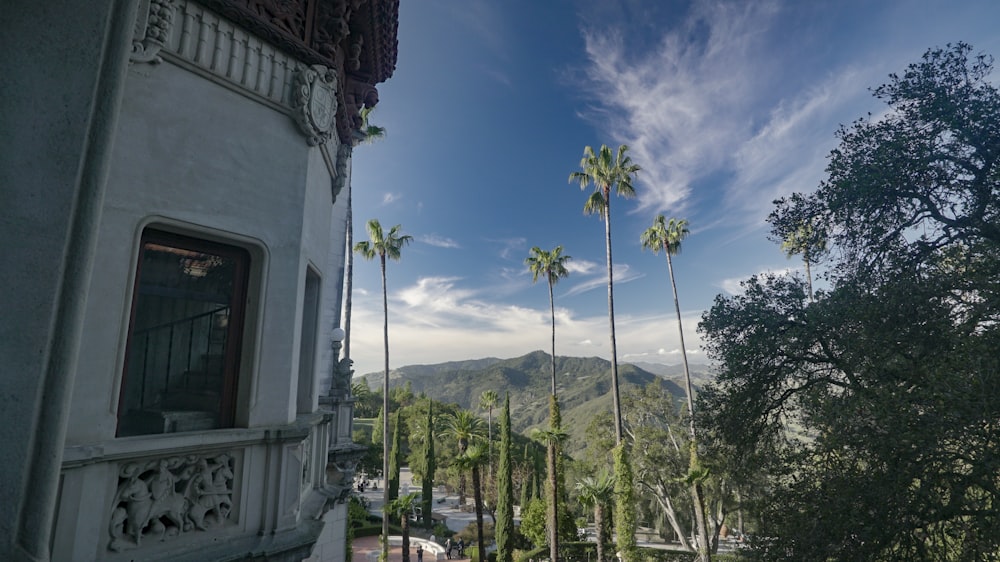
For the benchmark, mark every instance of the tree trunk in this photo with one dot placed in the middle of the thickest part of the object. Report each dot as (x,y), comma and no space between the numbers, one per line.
(599,529)
(553,502)
(611,320)
(696,491)
(404,524)
(489,437)
(552,314)
(809,277)
(477,495)
(385,417)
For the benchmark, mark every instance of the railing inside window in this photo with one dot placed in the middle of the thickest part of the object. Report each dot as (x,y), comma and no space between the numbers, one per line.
(201,340)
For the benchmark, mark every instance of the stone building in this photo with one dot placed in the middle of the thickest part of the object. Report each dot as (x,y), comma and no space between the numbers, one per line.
(172,175)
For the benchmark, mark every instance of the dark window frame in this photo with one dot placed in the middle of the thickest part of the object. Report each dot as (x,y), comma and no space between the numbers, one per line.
(235,328)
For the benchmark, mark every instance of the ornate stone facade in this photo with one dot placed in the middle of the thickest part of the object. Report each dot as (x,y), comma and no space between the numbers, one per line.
(163,498)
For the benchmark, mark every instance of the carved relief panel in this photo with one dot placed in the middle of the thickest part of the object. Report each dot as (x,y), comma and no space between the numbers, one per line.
(161,499)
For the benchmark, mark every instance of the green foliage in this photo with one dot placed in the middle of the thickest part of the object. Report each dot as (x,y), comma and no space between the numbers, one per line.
(533,522)
(395,459)
(505,492)
(625,520)
(377,431)
(891,375)
(429,468)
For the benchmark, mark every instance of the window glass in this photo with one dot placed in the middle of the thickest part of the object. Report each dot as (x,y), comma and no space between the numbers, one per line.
(182,361)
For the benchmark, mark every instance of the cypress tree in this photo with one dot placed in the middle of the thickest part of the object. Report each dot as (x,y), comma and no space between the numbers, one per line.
(625,521)
(527,487)
(394,460)
(430,466)
(505,491)
(377,428)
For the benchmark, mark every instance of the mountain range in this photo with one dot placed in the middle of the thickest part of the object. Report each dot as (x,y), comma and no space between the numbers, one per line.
(582,384)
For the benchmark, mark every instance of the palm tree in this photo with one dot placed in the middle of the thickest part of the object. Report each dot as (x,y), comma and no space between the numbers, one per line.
(465,427)
(553,438)
(473,458)
(808,241)
(384,245)
(368,134)
(608,174)
(487,401)
(365,400)
(403,508)
(667,236)
(595,492)
(552,265)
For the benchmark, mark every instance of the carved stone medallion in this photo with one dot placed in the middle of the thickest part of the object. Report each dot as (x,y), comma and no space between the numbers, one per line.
(152,28)
(315,102)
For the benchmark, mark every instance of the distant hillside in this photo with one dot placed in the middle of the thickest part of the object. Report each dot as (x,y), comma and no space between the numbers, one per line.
(700,374)
(583,385)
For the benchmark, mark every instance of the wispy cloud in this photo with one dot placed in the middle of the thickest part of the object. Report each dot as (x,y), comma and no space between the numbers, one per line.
(622,273)
(510,248)
(436,319)
(439,241)
(681,88)
(390,197)
(582,267)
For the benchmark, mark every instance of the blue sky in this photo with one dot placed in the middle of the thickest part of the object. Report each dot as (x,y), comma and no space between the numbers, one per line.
(726,105)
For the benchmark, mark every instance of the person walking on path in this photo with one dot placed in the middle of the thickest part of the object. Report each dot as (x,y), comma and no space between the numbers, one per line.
(447,548)
(420,553)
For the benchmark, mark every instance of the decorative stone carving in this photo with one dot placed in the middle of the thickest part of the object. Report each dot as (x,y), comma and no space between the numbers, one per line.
(152,29)
(315,102)
(340,470)
(287,15)
(357,95)
(163,498)
(344,152)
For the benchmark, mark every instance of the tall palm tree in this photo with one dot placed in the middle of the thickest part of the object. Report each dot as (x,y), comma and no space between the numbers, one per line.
(487,401)
(368,134)
(553,438)
(808,241)
(596,492)
(608,173)
(384,245)
(465,427)
(667,236)
(402,507)
(552,265)
(473,458)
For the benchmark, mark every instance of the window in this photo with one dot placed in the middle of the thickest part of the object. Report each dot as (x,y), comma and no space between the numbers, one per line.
(182,359)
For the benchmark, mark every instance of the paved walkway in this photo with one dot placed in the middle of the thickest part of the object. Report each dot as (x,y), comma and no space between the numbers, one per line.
(363,545)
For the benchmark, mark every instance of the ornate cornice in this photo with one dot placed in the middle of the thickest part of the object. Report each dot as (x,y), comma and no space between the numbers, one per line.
(266,48)
(355,39)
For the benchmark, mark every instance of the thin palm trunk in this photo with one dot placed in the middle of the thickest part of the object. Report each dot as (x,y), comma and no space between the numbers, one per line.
(553,503)
(385,417)
(477,498)
(552,314)
(552,451)
(463,445)
(489,437)
(611,320)
(404,525)
(696,491)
